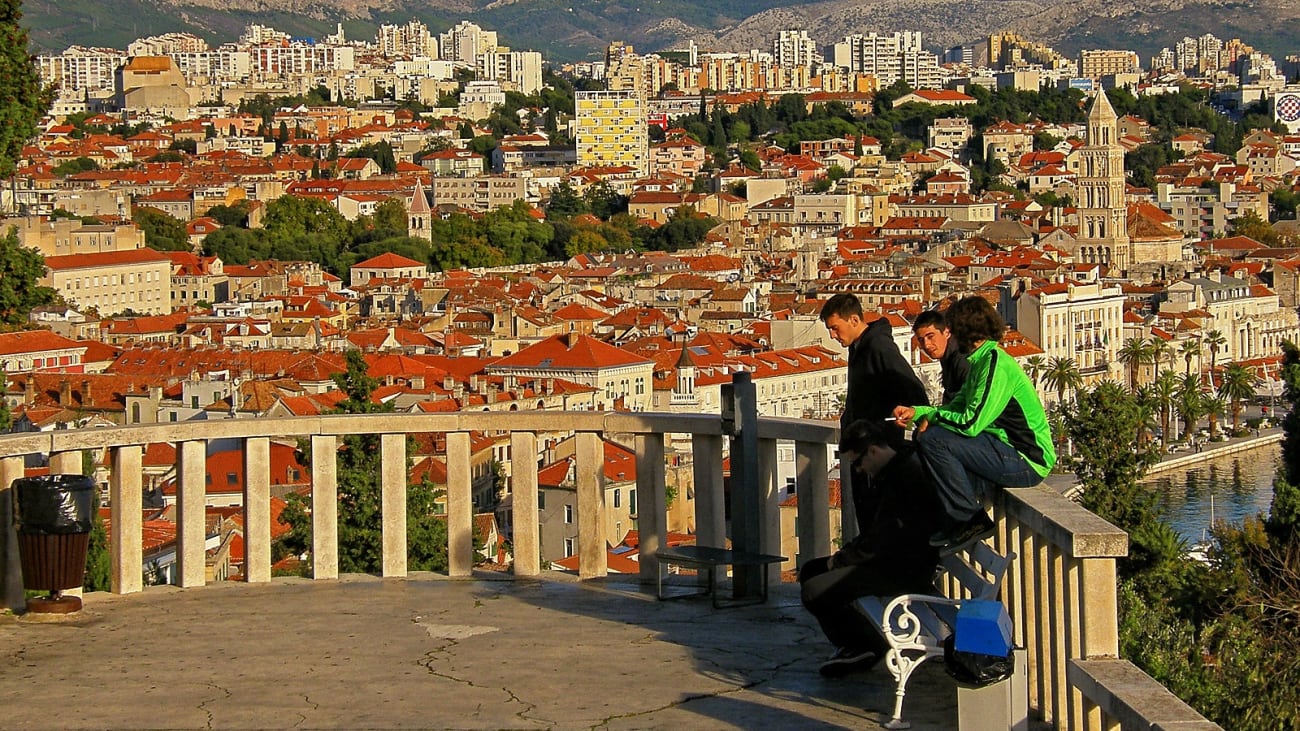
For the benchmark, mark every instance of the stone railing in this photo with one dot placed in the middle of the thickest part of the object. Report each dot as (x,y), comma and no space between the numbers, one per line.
(1060,592)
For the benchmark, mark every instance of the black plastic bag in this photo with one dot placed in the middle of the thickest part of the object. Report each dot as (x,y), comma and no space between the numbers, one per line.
(973,668)
(54,504)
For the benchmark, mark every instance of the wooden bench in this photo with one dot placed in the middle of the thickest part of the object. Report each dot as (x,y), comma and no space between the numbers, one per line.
(915,625)
(709,559)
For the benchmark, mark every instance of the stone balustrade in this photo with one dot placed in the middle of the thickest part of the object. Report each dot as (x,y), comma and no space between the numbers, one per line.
(1061,590)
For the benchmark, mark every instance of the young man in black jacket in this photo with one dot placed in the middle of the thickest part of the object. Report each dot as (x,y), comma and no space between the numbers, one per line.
(934,337)
(891,556)
(880,378)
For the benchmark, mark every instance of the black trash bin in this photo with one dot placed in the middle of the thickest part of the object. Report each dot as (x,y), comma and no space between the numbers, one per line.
(54,514)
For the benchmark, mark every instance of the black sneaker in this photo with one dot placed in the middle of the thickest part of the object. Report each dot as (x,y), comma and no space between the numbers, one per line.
(848,660)
(961,535)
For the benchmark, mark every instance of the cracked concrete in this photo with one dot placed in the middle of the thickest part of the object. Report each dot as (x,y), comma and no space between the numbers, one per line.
(428,652)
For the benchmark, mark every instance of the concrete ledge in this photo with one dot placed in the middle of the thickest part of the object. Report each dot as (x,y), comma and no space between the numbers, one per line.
(1133,698)
(1065,523)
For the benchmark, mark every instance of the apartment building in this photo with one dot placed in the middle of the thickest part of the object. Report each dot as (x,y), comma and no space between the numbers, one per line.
(611,130)
(1083,321)
(1205,211)
(81,69)
(1251,317)
(65,237)
(479,192)
(113,282)
(795,48)
(522,70)
(890,58)
(1097,64)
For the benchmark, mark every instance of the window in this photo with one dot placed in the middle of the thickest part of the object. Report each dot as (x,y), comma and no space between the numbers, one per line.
(631,501)
(232,478)
(568,516)
(617,495)
(789,485)
(568,547)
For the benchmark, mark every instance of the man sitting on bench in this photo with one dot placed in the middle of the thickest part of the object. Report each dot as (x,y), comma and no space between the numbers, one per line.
(890,556)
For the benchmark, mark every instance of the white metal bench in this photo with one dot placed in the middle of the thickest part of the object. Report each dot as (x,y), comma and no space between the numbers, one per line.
(915,625)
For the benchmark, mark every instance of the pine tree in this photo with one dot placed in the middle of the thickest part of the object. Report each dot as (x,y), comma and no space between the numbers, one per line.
(20,269)
(22,99)
(1284,514)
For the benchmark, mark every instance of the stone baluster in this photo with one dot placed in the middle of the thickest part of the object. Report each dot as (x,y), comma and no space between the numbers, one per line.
(191,518)
(593,559)
(523,489)
(257,509)
(125,492)
(652,505)
(710,496)
(324,506)
(813,494)
(460,505)
(11,575)
(392,450)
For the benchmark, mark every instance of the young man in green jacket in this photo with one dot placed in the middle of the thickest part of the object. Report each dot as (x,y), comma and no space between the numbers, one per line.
(994,431)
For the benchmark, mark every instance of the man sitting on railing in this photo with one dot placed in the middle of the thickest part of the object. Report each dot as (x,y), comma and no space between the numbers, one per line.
(994,432)
(890,556)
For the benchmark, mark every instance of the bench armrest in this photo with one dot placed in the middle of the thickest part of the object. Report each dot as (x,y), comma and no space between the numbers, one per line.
(903,625)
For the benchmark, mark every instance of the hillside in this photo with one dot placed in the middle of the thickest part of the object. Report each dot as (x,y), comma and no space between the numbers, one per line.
(565,30)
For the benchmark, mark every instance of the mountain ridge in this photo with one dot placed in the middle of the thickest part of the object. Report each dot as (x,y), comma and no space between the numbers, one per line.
(568,31)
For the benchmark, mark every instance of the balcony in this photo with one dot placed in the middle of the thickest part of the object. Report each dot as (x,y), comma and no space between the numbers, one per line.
(525,649)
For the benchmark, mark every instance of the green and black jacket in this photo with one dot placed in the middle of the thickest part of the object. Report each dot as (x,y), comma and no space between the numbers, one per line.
(998,398)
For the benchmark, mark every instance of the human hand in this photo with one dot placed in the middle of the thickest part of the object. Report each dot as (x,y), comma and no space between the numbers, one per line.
(903,416)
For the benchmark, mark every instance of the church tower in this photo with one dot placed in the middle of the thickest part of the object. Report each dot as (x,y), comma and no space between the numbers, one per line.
(419,217)
(1103,210)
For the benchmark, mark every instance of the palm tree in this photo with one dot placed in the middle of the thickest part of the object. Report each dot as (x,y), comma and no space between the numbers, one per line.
(1062,374)
(1163,394)
(1189,403)
(1034,367)
(1215,407)
(1191,347)
(1145,401)
(1214,340)
(1237,385)
(1160,351)
(1133,354)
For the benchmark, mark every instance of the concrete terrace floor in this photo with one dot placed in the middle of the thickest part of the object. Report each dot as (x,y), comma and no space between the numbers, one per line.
(430,652)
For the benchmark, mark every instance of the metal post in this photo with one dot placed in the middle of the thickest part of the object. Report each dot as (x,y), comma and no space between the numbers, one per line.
(746,503)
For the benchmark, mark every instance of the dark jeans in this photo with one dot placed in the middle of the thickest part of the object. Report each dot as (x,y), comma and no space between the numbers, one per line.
(965,470)
(828,594)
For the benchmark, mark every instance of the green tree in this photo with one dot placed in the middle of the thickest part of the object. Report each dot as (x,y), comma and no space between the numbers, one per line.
(1108,457)
(605,202)
(1035,366)
(381,152)
(1062,375)
(1237,385)
(565,202)
(1190,403)
(23,101)
(360,529)
(1215,341)
(6,419)
(1191,348)
(232,215)
(20,270)
(585,241)
(1164,394)
(1133,354)
(1284,514)
(74,166)
(162,232)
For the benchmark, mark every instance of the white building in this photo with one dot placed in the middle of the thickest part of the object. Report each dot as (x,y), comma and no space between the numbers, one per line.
(1083,321)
